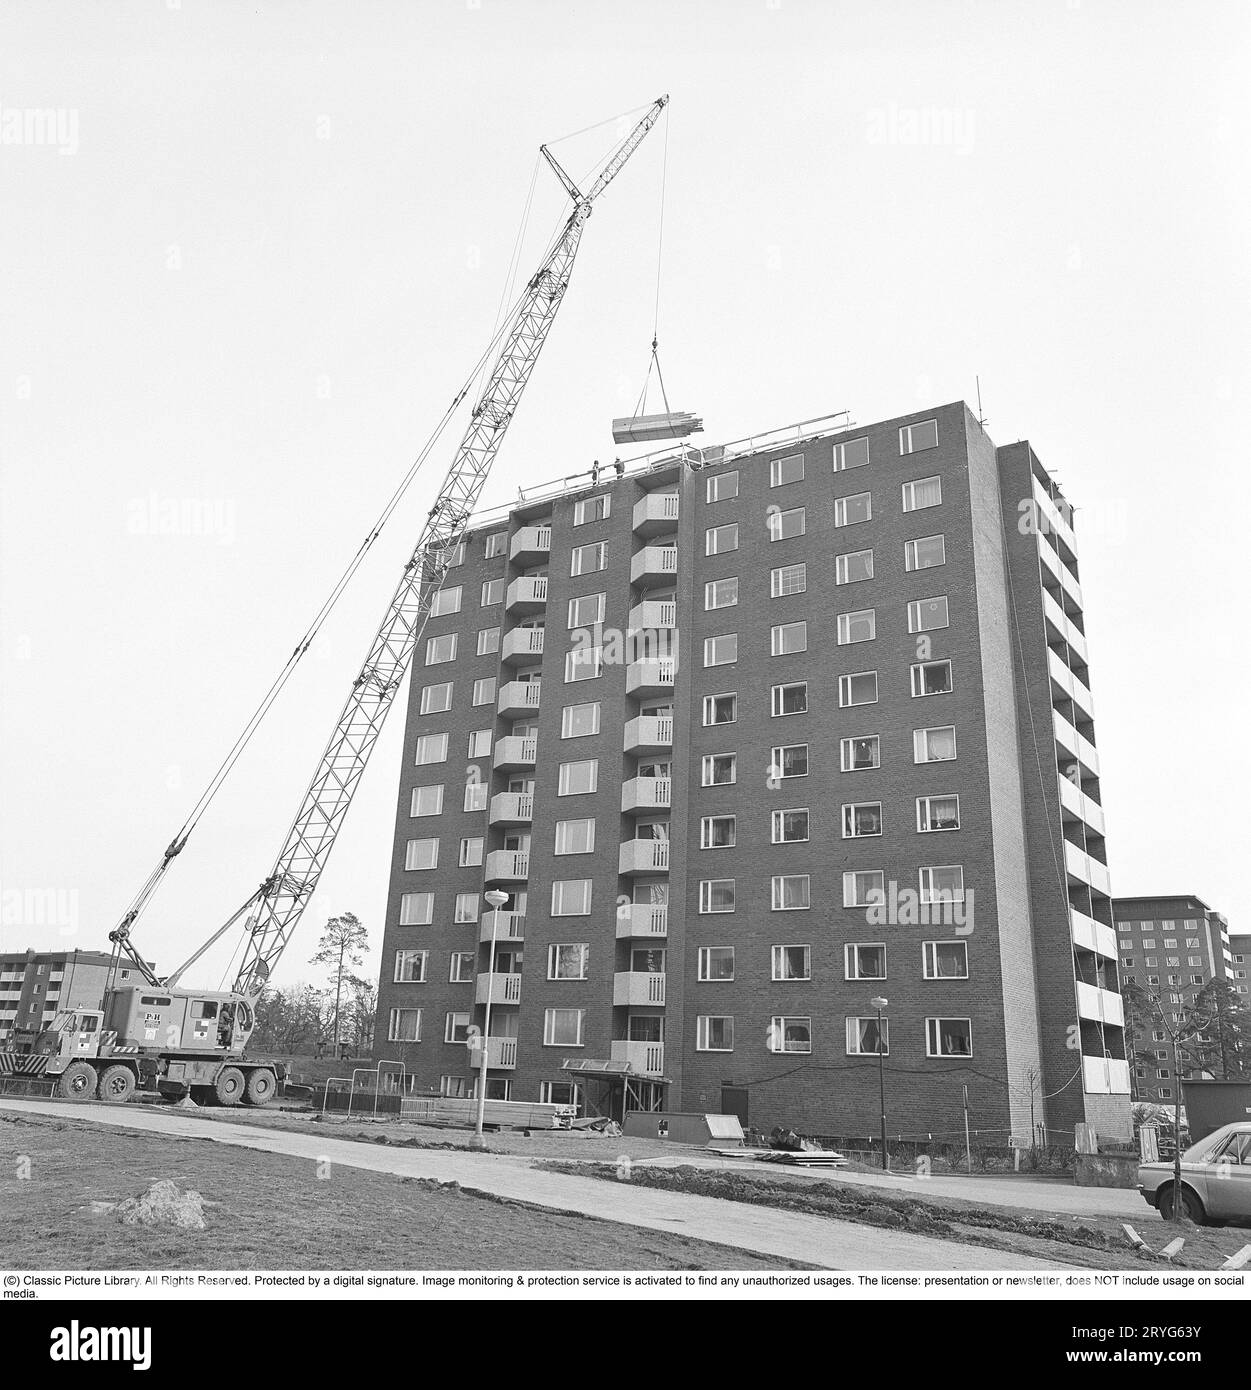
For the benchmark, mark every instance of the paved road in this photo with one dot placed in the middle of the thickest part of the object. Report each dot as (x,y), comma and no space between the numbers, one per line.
(813,1240)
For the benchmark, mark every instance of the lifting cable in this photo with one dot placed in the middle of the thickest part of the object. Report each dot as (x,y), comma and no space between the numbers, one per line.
(641,404)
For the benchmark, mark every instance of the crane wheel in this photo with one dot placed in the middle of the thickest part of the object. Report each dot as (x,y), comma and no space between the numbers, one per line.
(229,1086)
(117,1085)
(77,1082)
(261,1087)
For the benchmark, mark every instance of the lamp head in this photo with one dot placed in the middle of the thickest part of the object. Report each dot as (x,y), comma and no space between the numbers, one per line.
(879,1003)
(496,898)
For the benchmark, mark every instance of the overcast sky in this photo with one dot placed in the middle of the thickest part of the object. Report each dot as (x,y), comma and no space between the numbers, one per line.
(247,268)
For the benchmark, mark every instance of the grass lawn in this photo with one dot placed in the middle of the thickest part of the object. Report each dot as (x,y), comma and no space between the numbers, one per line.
(274,1212)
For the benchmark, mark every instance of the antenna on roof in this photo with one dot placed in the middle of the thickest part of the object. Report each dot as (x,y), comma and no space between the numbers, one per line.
(981,419)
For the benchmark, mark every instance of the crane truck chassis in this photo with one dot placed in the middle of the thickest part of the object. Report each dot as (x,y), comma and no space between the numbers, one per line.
(176,1042)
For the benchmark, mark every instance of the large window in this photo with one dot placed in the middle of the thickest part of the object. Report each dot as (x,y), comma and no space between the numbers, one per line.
(927,614)
(460,968)
(716,895)
(421,854)
(441,649)
(864,961)
(937,745)
(492,593)
(576,779)
(484,691)
(721,651)
(789,760)
(435,699)
(861,818)
(791,893)
(938,813)
(722,486)
(488,640)
(922,493)
(857,689)
(404,1025)
(719,769)
(853,567)
(426,801)
(445,601)
(942,883)
(714,1033)
(860,626)
(785,525)
(471,851)
(575,836)
(592,509)
(720,709)
(416,909)
(716,963)
(571,897)
(922,435)
(864,888)
(717,832)
(466,908)
(586,610)
(583,664)
(864,1039)
(860,754)
(946,960)
(720,593)
(720,539)
(787,638)
(563,1027)
(568,960)
(475,795)
(791,963)
(790,699)
(496,544)
(853,453)
(790,1034)
(790,827)
(787,470)
(586,559)
(925,553)
(931,678)
(948,1037)
(410,967)
(579,721)
(788,579)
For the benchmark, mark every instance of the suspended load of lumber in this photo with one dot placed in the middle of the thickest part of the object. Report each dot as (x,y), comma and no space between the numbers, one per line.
(640,429)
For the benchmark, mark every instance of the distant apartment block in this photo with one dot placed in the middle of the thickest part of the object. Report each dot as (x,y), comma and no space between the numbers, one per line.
(35,984)
(813,728)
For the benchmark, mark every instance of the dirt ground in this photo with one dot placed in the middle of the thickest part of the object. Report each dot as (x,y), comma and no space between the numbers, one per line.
(1091,1241)
(270,1212)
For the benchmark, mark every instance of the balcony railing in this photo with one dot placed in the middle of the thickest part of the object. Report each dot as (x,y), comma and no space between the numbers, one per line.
(1084,807)
(644,857)
(653,615)
(647,794)
(1052,521)
(638,989)
(1067,579)
(505,989)
(656,512)
(654,676)
(502,1053)
(510,927)
(1060,625)
(530,543)
(649,733)
(1085,868)
(515,751)
(522,644)
(642,919)
(654,564)
(1105,1076)
(1074,744)
(512,808)
(1100,1005)
(647,1058)
(519,697)
(1092,935)
(1067,686)
(526,594)
(507,864)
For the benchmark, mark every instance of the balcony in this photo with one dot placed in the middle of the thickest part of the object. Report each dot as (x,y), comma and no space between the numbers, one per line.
(1091,935)
(645,1058)
(654,676)
(1102,1076)
(505,865)
(516,752)
(1063,575)
(1074,744)
(511,808)
(642,920)
(653,615)
(530,545)
(654,564)
(1052,523)
(638,989)
(1085,869)
(656,512)
(1060,626)
(502,1053)
(1080,806)
(518,698)
(644,857)
(1100,1005)
(522,645)
(511,926)
(646,794)
(1066,686)
(505,989)
(649,733)
(526,594)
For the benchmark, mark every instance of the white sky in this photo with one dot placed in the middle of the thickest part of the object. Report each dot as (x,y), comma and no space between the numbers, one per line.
(277,240)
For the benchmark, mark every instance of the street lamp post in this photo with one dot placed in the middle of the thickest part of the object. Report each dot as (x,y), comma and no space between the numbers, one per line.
(879,1004)
(496,899)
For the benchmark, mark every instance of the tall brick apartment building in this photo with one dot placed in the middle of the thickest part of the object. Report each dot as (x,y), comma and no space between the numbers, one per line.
(813,728)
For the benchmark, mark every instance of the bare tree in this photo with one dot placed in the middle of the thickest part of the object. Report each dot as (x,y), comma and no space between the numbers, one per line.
(342,947)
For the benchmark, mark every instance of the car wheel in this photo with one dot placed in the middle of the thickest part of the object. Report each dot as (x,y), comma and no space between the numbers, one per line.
(1191,1206)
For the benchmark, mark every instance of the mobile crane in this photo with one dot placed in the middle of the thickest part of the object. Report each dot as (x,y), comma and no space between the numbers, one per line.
(182,1041)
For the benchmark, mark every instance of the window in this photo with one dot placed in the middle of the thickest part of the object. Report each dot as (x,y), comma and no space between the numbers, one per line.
(948,1037)
(717,832)
(720,593)
(860,626)
(862,818)
(714,1033)
(427,801)
(853,453)
(788,579)
(563,1027)
(922,435)
(1128,962)
(922,493)
(587,610)
(488,640)
(576,779)
(721,651)
(716,895)
(790,699)
(943,883)
(865,962)
(496,544)
(787,470)
(925,553)
(568,960)
(571,897)
(931,678)
(484,691)
(471,851)
(789,963)
(926,614)
(850,511)
(560,1093)
(579,721)
(720,539)
(790,1034)
(475,796)
(790,827)
(860,754)
(421,854)
(435,699)
(404,1025)
(722,486)
(587,559)
(431,748)
(716,963)
(479,743)
(719,769)
(466,908)
(786,638)
(575,836)
(445,601)
(416,909)
(592,509)
(853,567)
(858,689)
(410,967)
(783,526)
(720,709)
(441,649)
(456,1028)
(791,893)
(451,557)
(938,813)
(864,888)
(789,760)
(460,967)
(937,745)
(584,664)
(945,960)
(492,593)
(864,1040)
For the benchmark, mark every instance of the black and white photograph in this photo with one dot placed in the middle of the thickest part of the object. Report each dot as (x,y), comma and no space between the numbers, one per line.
(842,904)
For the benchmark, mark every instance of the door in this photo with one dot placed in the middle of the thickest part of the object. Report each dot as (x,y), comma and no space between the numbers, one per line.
(1228,1192)
(734,1102)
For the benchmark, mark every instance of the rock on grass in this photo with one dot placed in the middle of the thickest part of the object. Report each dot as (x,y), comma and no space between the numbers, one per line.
(163,1205)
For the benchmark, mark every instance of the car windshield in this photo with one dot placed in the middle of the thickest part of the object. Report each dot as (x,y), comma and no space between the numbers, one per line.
(1202,1151)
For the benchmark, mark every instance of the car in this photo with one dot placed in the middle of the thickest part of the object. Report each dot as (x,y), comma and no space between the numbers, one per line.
(1215,1179)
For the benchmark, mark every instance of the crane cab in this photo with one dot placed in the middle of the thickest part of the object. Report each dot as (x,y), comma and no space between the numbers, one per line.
(179,1020)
